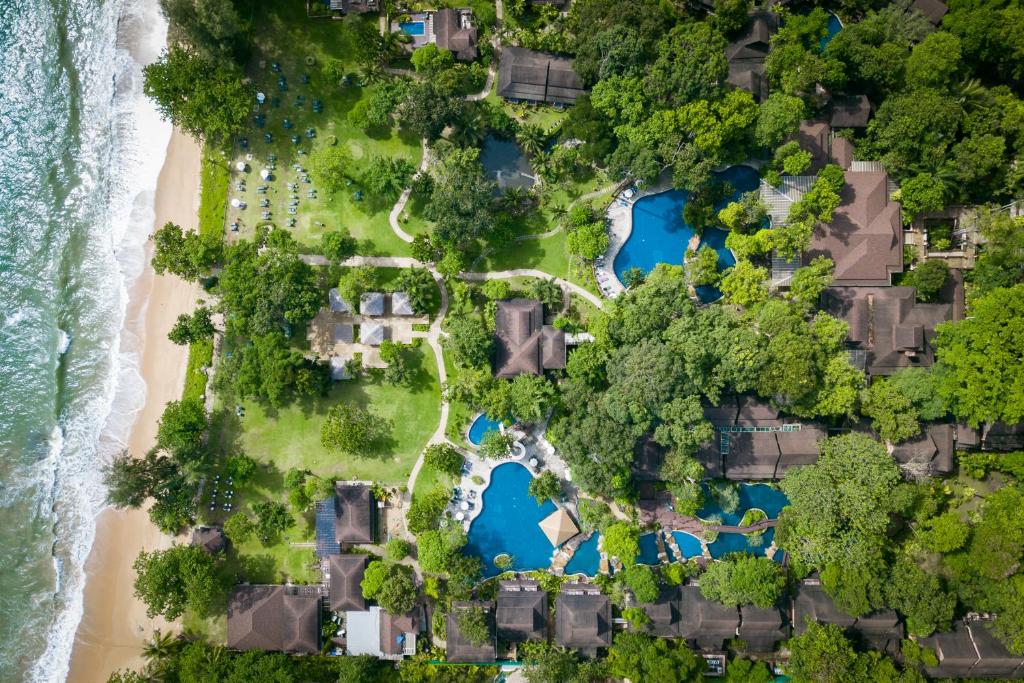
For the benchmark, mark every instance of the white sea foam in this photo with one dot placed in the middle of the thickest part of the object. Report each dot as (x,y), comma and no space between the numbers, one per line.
(123,142)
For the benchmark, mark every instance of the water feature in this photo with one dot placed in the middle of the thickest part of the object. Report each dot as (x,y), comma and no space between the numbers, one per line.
(587,559)
(648,549)
(834,27)
(760,496)
(689,545)
(660,235)
(741,543)
(480,427)
(413,28)
(505,163)
(509,522)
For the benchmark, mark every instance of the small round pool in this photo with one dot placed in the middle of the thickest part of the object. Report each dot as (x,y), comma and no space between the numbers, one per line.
(480,427)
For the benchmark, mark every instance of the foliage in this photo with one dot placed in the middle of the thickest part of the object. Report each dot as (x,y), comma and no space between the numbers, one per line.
(893,414)
(239,528)
(180,432)
(621,540)
(744,284)
(191,328)
(390,585)
(741,579)
(496,445)
(419,284)
(337,245)
(544,487)
(270,370)
(430,59)
(742,670)
(438,548)
(929,277)
(173,580)
(640,579)
(188,255)
(811,280)
(212,27)
(271,520)
(469,341)
(131,481)
(331,167)
(425,511)
(702,269)
(529,397)
(473,624)
(387,176)
(444,458)
(690,64)
(352,429)
(778,117)
(396,355)
(640,657)
(397,549)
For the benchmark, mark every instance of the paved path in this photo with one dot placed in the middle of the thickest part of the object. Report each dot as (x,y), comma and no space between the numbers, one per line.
(529,272)
(403,199)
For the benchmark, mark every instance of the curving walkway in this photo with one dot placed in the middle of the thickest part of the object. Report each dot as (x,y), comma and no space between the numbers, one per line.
(529,272)
(403,198)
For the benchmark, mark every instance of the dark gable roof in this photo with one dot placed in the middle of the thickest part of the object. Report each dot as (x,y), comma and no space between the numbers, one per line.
(814,137)
(934,10)
(527,75)
(813,603)
(353,513)
(209,538)
(648,456)
(704,621)
(346,579)
(755,412)
(393,626)
(761,628)
(460,650)
(522,612)
(523,343)
(450,36)
(931,452)
(888,324)
(272,618)
(664,613)
(746,54)
(865,238)
(583,618)
(971,651)
(752,455)
(852,111)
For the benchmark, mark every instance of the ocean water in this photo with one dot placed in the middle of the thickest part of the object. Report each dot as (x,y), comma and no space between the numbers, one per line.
(80,152)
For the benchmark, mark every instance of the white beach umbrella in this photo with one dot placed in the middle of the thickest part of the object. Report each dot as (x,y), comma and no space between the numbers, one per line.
(240,165)
(235,203)
(261,98)
(265,174)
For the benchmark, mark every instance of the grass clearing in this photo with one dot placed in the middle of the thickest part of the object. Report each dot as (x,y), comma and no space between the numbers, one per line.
(213,197)
(200,357)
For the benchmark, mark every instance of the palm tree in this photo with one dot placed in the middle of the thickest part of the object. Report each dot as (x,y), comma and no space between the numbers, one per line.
(214,656)
(159,647)
(470,131)
(514,198)
(154,673)
(371,72)
(971,94)
(531,139)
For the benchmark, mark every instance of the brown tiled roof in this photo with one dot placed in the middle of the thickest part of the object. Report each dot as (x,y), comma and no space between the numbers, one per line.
(934,10)
(353,513)
(747,53)
(865,238)
(664,613)
(706,622)
(931,450)
(583,618)
(842,153)
(209,538)
(450,36)
(887,323)
(752,455)
(814,137)
(523,344)
(761,628)
(724,413)
(527,75)
(754,411)
(648,456)
(850,112)
(460,650)
(522,612)
(394,626)
(346,576)
(273,618)
(812,602)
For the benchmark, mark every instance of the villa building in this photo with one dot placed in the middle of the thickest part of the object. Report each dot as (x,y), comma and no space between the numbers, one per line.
(459,649)
(762,628)
(707,624)
(583,619)
(522,612)
(371,303)
(276,618)
(401,305)
(376,633)
(345,575)
(529,76)
(354,513)
(971,651)
(933,10)
(852,111)
(454,31)
(930,453)
(747,53)
(523,343)
(666,619)
(210,538)
(881,630)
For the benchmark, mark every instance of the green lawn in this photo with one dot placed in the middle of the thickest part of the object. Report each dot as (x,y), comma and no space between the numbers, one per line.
(290,437)
(285,36)
(200,355)
(213,198)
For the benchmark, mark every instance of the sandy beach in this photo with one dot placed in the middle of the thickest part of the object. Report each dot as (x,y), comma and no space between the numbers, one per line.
(115,625)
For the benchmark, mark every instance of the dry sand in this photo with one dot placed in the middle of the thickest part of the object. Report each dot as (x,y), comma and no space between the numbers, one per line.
(114,625)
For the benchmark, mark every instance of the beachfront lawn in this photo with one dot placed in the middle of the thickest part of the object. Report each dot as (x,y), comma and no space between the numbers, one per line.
(290,437)
(286,37)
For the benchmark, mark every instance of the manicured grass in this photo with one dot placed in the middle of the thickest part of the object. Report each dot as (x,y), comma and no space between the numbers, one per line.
(200,355)
(284,35)
(290,437)
(429,479)
(213,197)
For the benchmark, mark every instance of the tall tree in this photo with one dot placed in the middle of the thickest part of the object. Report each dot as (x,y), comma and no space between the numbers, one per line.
(173,580)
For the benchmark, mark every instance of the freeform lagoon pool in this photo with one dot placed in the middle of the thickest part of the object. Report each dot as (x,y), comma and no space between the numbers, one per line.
(505,163)
(587,559)
(741,543)
(509,522)
(760,496)
(834,27)
(481,425)
(660,235)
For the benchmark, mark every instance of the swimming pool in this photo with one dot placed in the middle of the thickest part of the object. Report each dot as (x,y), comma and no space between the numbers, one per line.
(648,549)
(689,545)
(413,28)
(508,522)
(587,559)
(481,425)
(834,27)
(661,236)
(760,496)
(740,543)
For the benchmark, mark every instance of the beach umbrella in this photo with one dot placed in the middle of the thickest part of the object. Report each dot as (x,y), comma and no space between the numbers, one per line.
(240,165)
(464,505)
(261,98)
(235,203)
(265,174)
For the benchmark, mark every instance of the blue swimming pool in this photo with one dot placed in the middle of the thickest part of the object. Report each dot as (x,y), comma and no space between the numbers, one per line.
(661,236)
(509,522)
(413,28)
(834,27)
(481,425)
(689,545)
(740,543)
(760,496)
(648,549)
(587,559)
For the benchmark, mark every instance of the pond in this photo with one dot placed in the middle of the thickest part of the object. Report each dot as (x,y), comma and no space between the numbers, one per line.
(505,163)
(509,522)
(760,496)
(660,235)
(480,427)
(587,559)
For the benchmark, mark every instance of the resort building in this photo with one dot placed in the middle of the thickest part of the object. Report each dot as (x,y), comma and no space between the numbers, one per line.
(930,453)
(376,633)
(583,619)
(354,513)
(345,575)
(933,10)
(888,328)
(454,31)
(337,304)
(276,618)
(528,76)
(210,538)
(707,624)
(523,343)
(459,649)
(400,304)
(371,303)
(749,50)
(852,111)
(372,333)
(971,651)
(356,6)
(880,630)
(666,619)
(522,612)
(762,628)
(559,527)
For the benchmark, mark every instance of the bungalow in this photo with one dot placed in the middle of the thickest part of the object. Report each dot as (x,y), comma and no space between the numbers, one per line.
(762,628)
(401,305)
(338,305)
(343,333)
(747,53)
(371,303)
(345,576)
(705,623)
(454,31)
(528,76)
(928,454)
(522,612)
(376,633)
(851,111)
(583,619)
(459,649)
(664,613)
(933,10)
(971,651)
(354,513)
(277,618)
(210,538)
(880,630)
(523,343)
(372,333)
(888,327)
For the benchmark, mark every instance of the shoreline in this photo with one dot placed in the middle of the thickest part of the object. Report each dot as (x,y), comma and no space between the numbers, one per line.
(114,623)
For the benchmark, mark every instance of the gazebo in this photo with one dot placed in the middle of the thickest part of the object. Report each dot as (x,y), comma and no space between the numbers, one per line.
(558,527)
